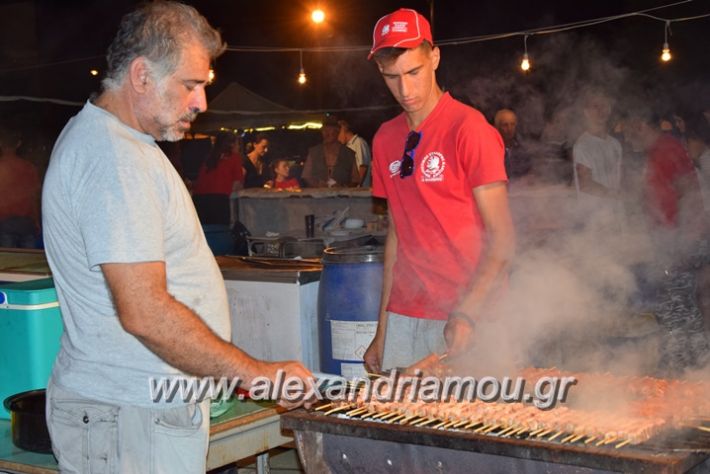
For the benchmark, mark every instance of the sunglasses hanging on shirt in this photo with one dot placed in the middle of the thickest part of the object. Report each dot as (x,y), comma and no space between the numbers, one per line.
(407,164)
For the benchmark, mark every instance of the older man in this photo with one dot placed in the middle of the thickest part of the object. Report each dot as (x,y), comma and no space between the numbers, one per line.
(141,295)
(439,164)
(518,161)
(330,163)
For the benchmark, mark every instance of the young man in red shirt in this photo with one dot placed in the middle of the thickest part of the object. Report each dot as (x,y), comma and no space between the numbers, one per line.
(440,166)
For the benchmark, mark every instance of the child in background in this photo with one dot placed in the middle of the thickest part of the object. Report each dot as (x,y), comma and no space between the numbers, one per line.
(281,168)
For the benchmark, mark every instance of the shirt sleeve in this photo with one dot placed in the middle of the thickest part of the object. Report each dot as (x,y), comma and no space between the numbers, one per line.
(482,151)
(365,150)
(119,214)
(581,155)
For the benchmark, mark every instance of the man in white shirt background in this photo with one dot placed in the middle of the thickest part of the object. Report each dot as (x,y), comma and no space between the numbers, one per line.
(362,151)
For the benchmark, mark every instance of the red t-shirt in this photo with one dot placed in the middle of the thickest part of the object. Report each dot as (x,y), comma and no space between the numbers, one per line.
(19,188)
(286,184)
(668,162)
(439,229)
(220,180)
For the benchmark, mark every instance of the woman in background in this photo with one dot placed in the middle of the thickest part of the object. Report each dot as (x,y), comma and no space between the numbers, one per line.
(220,175)
(254,176)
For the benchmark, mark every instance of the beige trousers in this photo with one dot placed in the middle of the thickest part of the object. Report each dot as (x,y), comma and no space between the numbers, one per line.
(95,437)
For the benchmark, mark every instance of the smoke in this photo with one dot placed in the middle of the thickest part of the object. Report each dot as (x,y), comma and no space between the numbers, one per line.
(585,284)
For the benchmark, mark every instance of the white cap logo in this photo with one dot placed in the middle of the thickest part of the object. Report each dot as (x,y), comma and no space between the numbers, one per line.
(385,30)
(400,26)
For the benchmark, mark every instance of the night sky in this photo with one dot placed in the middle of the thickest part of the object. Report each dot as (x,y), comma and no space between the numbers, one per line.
(77,33)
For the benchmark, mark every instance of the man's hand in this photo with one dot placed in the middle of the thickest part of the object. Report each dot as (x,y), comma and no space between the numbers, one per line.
(458,334)
(373,354)
(287,397)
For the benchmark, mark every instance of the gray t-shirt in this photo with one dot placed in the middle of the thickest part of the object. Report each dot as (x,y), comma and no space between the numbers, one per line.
(111,196)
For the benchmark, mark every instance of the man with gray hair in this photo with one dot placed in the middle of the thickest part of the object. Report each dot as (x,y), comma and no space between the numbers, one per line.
(141,295)
(518,162)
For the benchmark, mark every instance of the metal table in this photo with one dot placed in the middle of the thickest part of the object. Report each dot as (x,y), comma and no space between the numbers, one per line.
(247,429)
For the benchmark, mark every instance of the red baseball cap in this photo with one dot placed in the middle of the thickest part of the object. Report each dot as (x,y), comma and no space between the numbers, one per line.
(404,28)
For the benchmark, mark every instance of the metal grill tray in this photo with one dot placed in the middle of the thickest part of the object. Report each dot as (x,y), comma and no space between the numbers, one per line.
(678,452)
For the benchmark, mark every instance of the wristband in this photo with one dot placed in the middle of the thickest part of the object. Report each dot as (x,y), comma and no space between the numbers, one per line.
(463,316)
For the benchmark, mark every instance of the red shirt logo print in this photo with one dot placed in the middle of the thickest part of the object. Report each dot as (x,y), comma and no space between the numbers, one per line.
(394,167)
(432,167)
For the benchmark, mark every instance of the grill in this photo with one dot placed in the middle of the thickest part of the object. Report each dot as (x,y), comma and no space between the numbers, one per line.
(664,435)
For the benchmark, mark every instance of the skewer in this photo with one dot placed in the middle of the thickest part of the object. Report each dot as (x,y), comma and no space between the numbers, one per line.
(460,424)
(381,415)
(611,440)
(478,430)
(568,438)
(356,411)
(390,416)
(623,443)
(703,428)
(428,421)
(449,424)
(540,435)
(519,432)
(374,376)
(397,418)
(577,438)
(591,438)
(418,419)
(406,419)
(552,438)
(324,407)
(534,433)
(507,431)
(492,428)
(604,441)
(471,424)
(337,409)
(440,425)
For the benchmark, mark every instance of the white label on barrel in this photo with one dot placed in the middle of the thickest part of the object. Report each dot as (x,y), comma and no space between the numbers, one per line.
(351,338)
(351,371)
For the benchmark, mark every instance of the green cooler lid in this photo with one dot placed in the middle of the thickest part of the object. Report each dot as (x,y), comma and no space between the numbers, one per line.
(28,292)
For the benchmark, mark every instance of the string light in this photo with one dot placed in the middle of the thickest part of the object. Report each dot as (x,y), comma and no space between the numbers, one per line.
(318,16)
(211,76)
(302,73)
(94,72)
(525,63)
(666,53)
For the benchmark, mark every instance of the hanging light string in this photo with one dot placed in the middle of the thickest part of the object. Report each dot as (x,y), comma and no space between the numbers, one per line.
(491,37)
(525,63)
(301,73)
(450,42)
(666,51)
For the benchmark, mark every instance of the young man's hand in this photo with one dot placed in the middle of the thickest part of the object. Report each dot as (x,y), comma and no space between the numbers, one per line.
(458,334)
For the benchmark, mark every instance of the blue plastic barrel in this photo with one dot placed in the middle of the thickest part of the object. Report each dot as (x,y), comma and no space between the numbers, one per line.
(219,239)
(348,307)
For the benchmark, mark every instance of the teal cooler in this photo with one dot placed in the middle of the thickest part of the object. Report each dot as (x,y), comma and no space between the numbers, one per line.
(30,330)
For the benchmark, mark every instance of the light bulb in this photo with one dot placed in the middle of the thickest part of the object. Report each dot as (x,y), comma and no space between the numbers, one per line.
(317,15)
(525,63)
(302,77)
(666,54)
(210,76)
(94,72)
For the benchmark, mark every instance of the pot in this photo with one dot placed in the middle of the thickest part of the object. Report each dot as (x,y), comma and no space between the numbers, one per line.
(29,425)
